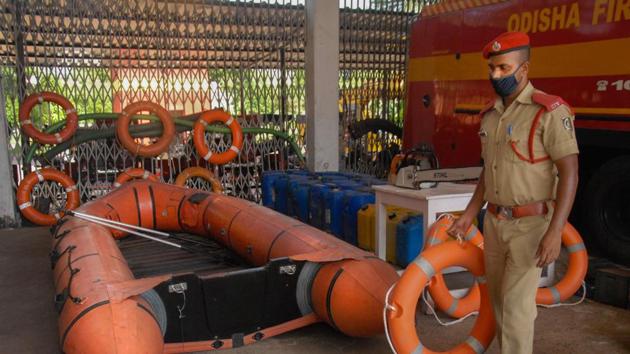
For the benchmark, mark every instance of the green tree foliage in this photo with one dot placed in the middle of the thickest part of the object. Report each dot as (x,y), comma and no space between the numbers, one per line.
(260,90)
(88,89)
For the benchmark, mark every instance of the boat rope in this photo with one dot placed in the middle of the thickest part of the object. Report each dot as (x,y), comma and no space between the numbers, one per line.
(569,303)
(437,318)
(73,272)
(60,299)
(388,307)
(55,255)
(55,228)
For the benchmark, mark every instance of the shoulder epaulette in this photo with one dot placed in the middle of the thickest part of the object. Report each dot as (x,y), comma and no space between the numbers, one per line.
(489,106)
(550,102)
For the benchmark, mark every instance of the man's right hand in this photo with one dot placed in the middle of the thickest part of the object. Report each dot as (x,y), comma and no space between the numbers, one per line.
(460,227)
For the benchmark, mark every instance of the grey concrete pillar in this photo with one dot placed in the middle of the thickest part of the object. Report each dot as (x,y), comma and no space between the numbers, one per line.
(322,85)
(8,213)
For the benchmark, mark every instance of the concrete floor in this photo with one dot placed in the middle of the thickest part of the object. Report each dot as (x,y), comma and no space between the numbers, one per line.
(28,319)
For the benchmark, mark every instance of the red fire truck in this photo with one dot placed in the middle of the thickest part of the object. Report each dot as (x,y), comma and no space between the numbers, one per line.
(580,51)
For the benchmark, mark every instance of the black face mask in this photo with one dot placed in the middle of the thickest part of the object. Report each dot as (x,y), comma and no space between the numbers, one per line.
(506,85)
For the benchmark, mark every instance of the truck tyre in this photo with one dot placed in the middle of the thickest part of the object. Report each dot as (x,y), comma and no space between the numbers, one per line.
(607,208)
(360,128)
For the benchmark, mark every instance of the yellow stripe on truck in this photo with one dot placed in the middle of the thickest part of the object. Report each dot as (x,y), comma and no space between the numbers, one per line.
(446,6)
(598,58)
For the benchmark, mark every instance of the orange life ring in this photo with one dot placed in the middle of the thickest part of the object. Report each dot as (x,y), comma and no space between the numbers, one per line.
(72,119)
(437,287)
(402,306)
(572,280)
(134,173)
(199,136)
(26,187)
(565,288)
(125,138)
(199,172)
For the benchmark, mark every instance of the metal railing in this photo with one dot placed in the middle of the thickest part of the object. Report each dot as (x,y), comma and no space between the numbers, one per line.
(373,52)
(246,57)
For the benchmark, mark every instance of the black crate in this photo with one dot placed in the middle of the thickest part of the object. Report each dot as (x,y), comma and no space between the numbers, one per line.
(612,286)
(594,265)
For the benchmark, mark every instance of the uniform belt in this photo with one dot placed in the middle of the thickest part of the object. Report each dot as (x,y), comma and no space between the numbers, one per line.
(515,212)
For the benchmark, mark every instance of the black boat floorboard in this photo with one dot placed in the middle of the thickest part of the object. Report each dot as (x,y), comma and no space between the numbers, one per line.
(204,256)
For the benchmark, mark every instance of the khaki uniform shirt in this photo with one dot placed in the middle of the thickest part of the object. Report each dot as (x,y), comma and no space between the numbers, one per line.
(509,180)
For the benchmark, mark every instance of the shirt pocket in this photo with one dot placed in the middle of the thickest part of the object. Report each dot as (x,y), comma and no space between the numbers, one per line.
(516,146)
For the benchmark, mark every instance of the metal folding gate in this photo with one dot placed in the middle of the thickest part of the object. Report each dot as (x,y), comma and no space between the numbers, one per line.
(244,56)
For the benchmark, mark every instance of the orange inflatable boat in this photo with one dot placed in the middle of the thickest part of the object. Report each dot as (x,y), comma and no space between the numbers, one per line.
(118,294)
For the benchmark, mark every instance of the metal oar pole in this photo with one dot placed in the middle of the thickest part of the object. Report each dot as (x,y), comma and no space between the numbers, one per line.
(129,226)
(110,224)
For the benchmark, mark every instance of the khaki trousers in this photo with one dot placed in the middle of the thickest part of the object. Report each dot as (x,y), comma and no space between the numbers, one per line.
(512,277)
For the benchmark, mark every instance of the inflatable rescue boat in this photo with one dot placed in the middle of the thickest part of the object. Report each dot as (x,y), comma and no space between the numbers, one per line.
(121,296)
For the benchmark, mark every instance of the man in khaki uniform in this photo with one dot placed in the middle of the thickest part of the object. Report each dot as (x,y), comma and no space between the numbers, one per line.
(530,160)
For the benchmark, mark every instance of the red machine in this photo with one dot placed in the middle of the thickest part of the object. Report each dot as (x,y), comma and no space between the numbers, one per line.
(580,51)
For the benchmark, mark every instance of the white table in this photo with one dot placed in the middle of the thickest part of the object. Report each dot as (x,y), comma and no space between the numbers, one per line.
(446,197)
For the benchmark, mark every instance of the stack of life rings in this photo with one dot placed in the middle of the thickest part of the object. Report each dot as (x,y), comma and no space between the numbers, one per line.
(125,138)
(440,253)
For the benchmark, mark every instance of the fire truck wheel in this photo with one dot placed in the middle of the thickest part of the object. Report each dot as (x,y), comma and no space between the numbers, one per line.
(607,209)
